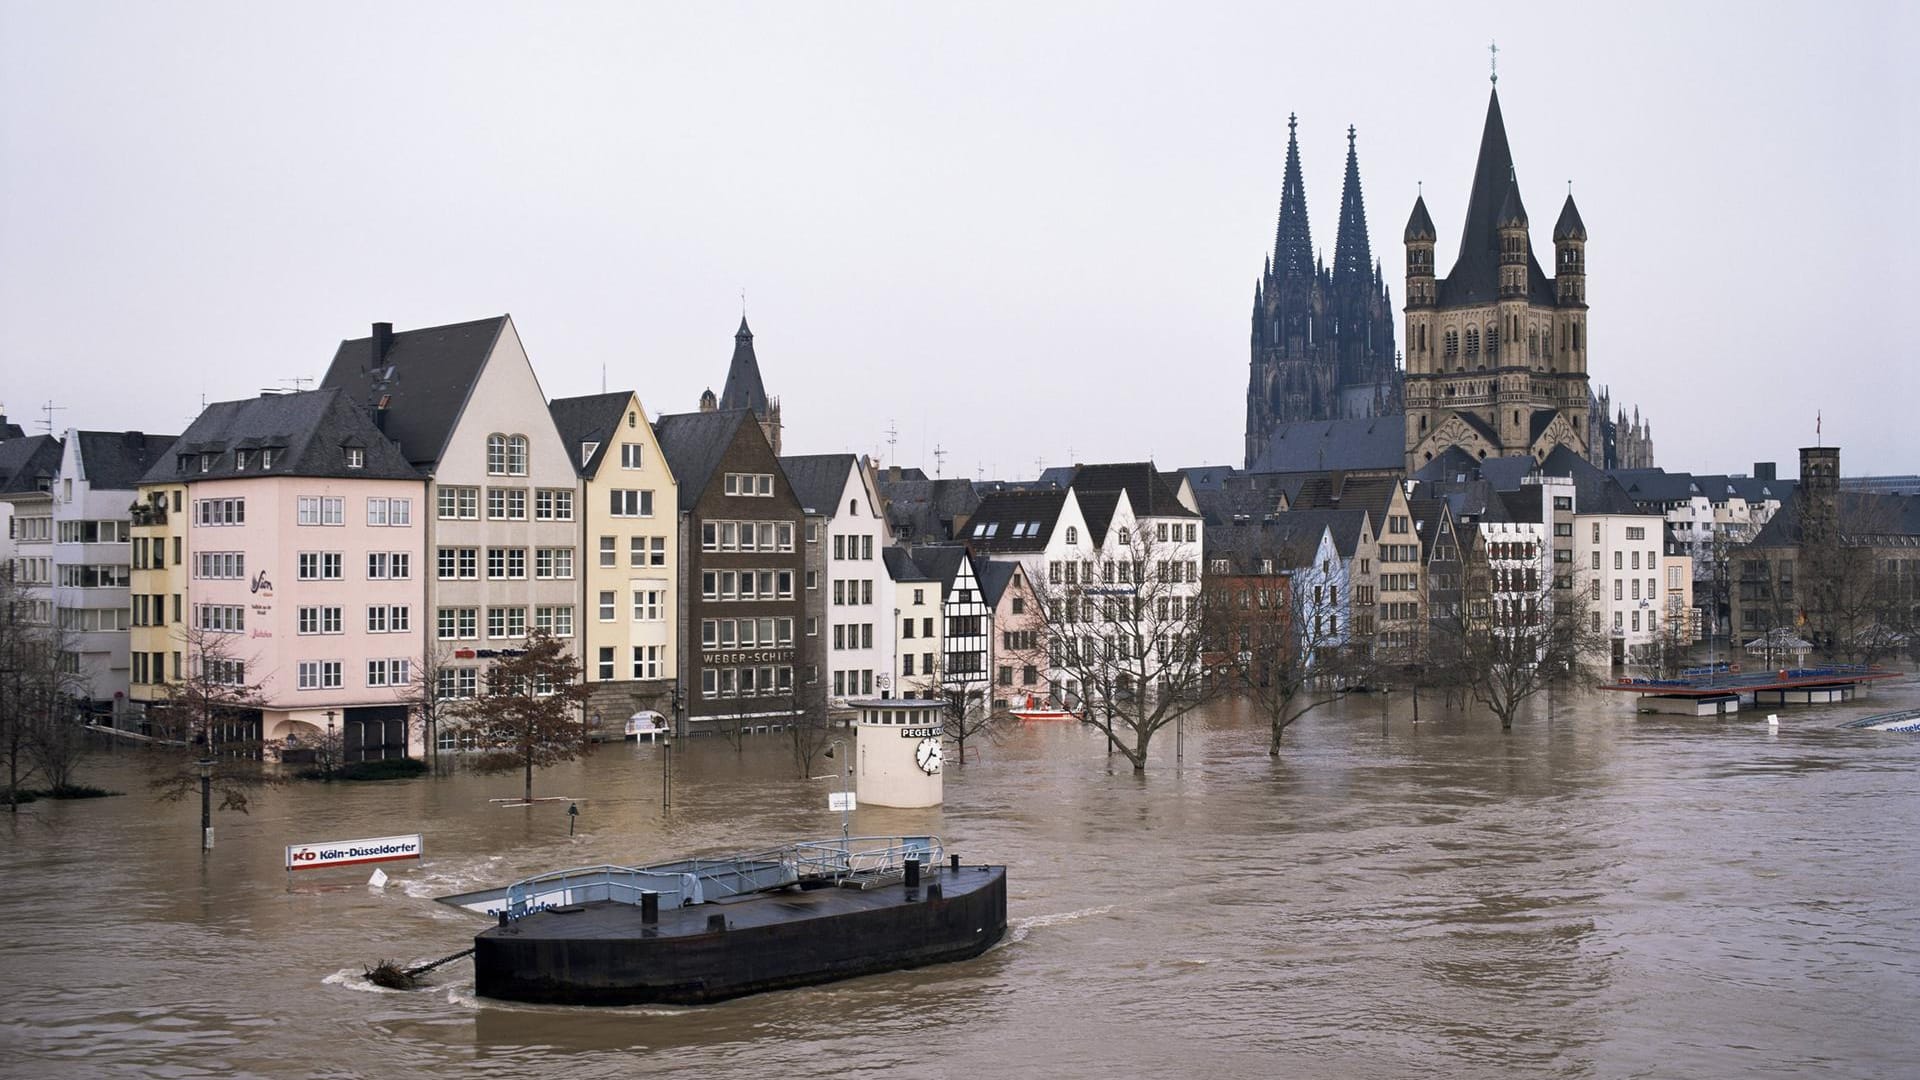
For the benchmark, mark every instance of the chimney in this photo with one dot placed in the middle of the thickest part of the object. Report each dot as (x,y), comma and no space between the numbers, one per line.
(382,341)
(1765,470)
(135,440)
(1336,483)
(893,474)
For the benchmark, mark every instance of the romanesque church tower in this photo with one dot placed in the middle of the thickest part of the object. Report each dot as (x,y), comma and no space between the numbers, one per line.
(1322,338)
(1496,355)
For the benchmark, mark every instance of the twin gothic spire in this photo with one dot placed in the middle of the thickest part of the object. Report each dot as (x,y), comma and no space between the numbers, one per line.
(1293,237)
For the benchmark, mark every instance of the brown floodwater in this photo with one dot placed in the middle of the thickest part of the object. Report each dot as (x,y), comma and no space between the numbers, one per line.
(1595,894)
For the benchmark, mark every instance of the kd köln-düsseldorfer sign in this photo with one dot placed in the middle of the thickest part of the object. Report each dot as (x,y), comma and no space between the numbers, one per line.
(353,852)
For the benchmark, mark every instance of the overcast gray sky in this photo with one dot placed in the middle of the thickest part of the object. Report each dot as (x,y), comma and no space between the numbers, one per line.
(1020,232)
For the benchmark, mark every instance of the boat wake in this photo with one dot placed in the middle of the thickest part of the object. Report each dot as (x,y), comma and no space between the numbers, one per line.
(1018,929)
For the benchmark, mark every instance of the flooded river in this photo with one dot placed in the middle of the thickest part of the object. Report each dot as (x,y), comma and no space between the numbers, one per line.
(1595,894)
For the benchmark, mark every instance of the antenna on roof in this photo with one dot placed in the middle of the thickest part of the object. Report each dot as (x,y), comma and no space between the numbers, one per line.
(603,378)
(50,408)
(1493,61)
(939,460)
(893,440)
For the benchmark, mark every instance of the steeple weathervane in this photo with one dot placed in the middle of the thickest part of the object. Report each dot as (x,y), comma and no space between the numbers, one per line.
(1292,121)
(1493,63)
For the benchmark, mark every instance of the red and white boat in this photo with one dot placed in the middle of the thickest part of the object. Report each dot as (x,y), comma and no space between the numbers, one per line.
(1034,709)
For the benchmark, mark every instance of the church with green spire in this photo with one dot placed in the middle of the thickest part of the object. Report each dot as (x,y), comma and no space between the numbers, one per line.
(1322,336)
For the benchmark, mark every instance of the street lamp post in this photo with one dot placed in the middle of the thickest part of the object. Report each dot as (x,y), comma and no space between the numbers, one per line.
(331,745)
(206,804)
(846,794)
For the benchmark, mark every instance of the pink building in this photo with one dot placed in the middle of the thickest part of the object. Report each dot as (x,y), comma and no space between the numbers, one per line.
(305,566)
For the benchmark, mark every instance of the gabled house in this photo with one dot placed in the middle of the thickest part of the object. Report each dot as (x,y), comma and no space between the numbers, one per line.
(748,657)
(632,561)
(966,621)
(304,548)
(466,410)
(854,603)
(919,620)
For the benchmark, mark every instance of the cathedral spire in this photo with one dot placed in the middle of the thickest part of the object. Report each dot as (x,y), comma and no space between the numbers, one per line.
(743,389)
(1293,240)
(1352,256)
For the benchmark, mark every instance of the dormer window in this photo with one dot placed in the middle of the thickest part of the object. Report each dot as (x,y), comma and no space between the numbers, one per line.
(356,457)
(266,458)
(239,460)
(206,462)
(587,450)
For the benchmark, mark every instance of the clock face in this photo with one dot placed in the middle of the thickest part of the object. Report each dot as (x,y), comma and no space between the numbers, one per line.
(928,755)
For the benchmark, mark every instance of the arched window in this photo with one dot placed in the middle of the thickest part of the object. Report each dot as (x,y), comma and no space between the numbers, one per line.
(1453,344)
(630,420)
(1073,535)
(1493,343)
(1126,537)
(496,455)
(853,506)
(1473,342)
(517,455)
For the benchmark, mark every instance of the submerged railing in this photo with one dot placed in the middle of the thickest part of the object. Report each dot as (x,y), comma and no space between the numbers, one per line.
(695,881)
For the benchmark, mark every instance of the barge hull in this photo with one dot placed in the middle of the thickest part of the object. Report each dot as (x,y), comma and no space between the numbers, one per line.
(602,954)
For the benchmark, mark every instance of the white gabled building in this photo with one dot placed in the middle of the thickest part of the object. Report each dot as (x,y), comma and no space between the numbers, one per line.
(857,607)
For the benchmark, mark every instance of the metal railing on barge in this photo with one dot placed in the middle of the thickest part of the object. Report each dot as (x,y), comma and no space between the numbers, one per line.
(684,882)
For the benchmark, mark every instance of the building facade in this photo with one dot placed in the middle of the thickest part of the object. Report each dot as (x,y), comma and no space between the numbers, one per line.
(630,597)
(855,599)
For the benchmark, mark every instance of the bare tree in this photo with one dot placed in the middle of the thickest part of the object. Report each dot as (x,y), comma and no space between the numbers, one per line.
(527,716)
(37,726)
(966,710)
(1123,638)
(207,729)
(1516,642)
(1274,633)
(810,731)
(426,706)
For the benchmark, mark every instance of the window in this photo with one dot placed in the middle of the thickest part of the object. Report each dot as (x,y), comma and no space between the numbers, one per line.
(506,622)
(506,504)
(1073,535)
(459,564)
(606,664)
(395,672)
(319,675)
(1636,532)
(321,510)
(459,503)
(456,683)
(629,503)
(813,579)
(553,504)
(755,484)
(220,511)
(658,551)
(320,620)
(228,565)
(553,564)
(507,563)
(606,605)
(630,455)
(389,565)
(456,624)
(356,457)
(647,604)
(319,566)
(646,661)
(506,455)
(554,619)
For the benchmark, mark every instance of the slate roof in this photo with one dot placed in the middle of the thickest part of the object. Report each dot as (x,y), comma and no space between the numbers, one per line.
(116,460)
(818,480)
(1475,277)
(1031,514)
(940,562)
(1569,227)
(993,576)
(694,443)
(1208,477)
(1864,517)
(10,430)
(744,389)
(309,433)
(900,565)
(590,419)
(1377,442)
(1523,505)
(1538,423)
(1319,492)
(1289,541)
(1097,508)
(1145,486)
(923,511)
(425,377)
(27,462)
(1420,223)
(1428,515)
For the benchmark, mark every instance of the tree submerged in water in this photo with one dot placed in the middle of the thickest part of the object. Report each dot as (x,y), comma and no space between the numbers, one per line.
(528,716)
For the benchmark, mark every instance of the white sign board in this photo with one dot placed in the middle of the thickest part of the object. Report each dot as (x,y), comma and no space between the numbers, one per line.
(842,801)
(354,852)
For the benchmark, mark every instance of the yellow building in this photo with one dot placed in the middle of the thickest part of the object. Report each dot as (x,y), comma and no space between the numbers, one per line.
(158,588)
(630,547)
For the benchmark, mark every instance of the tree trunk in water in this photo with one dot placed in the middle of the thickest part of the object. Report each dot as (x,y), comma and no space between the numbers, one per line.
(529,778)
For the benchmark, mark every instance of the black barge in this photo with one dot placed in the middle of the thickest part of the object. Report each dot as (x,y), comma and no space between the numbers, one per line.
(703,930)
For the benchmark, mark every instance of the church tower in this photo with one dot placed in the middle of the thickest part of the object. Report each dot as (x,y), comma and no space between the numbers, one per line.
(1497,349)
(744,390)
(1321,338)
